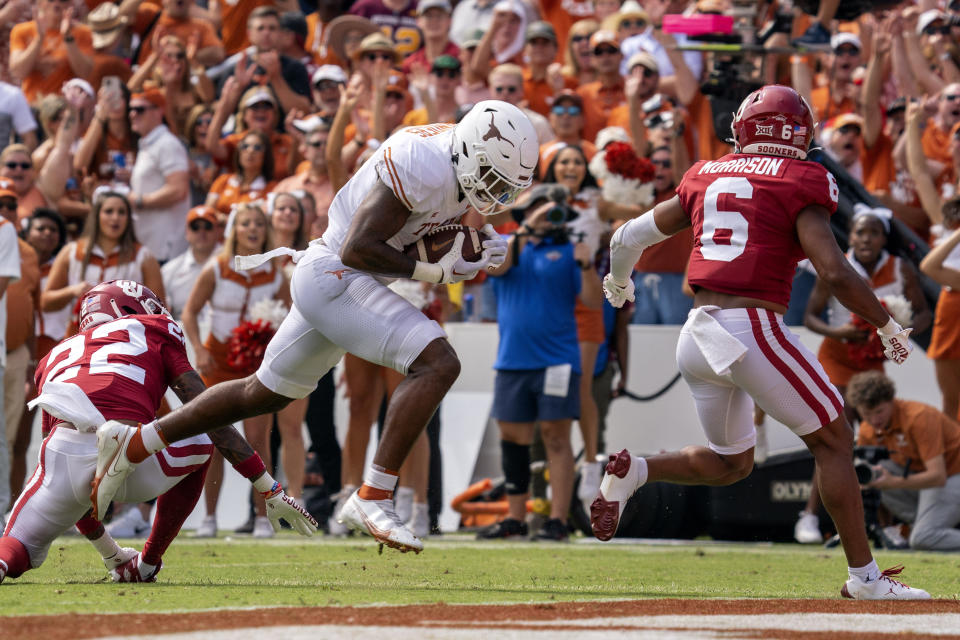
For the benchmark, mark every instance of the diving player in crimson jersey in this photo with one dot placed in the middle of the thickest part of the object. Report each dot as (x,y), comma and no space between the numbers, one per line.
(118,367)
(755,213)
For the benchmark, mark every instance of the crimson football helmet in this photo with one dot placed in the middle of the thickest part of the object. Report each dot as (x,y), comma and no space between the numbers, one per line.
(117,298)
(773,120)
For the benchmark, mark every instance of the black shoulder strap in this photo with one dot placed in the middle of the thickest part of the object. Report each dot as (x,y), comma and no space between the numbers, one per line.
(146,34)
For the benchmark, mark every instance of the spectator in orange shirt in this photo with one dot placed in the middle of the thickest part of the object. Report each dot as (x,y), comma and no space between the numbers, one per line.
(607,92)
(562,14)
(841,95)
(232,17)
(542,77)
(252,178)
(842,139)
(577,56)
(566,119)
(257,110)
(313,177)
(433,20)
(50,50)
(936,135)
(317,24)
(175,19)
(441,106)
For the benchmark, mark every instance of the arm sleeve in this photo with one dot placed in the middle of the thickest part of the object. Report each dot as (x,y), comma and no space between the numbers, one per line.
(819,187)
(173,158)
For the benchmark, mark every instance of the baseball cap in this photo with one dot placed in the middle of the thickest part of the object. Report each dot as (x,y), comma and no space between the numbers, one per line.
(423,5)
(446,62)
(6,189)
(202,212)
(473,40)
(83,85)
(153,96)
(329,72)
(899,104)
(568,95)
(845,37)
(397,81)
(541,29)
(258,94)
(644,58)
(604,37)
(928,17)
(846,118)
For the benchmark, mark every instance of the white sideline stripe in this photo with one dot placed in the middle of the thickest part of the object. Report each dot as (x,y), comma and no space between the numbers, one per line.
(668,627)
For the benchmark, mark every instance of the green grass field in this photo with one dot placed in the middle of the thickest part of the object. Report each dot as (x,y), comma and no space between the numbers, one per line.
(234,573)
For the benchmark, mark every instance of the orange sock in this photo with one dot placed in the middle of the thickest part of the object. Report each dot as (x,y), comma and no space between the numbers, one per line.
(136,452)
(367,492)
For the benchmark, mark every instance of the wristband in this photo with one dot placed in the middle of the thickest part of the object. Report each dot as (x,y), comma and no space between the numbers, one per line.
(427,272)
(266,485)
(250,467)
(889,329)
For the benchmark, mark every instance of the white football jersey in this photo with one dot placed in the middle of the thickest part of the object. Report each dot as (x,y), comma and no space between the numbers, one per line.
(416,164)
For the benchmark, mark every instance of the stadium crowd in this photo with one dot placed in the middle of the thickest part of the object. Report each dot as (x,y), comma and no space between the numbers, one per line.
(155,140)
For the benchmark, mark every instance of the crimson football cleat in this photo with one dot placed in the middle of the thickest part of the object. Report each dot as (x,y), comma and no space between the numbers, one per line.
(620,481)
(129,571)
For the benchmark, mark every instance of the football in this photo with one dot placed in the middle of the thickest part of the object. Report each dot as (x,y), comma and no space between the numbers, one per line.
(436,244)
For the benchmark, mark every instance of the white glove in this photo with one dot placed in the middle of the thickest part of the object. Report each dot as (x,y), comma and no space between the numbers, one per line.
(896,342)
(617,293)
(455,268)
(280,505)
(497,245)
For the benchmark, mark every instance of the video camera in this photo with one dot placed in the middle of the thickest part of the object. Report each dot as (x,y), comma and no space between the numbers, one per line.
(864,459)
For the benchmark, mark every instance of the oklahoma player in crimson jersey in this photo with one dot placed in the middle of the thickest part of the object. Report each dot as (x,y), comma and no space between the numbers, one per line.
(128,351)
(755,213)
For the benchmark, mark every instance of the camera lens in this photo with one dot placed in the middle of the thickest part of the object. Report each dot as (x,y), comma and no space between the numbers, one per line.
(864,471)
(556,215)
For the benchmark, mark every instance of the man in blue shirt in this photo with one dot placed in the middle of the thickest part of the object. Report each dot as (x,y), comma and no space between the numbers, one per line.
(538,359)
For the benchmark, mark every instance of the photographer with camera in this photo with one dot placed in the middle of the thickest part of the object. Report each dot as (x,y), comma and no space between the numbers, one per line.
(920,483)
(538,358)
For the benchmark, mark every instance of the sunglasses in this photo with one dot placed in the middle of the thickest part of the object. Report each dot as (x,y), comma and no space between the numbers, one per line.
(847,51)
(579,38)
(394,95)
(316,144)
(204,121)
(19,165)
(447,73)
(506,89)
(933,29)
(666,164)
(629,24)
(9,203)
(570,110)
(849,128)
(373,56)
(178,56)
(251,146)
(138,110)
(647,72)
(325,85)
(201,225)
(605,51)
(949,97)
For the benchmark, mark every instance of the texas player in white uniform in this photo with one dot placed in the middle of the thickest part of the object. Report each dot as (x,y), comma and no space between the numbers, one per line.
(420,178)
(128,351)
(755,213)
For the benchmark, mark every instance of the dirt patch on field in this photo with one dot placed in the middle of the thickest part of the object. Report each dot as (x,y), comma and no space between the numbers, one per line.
(531,617)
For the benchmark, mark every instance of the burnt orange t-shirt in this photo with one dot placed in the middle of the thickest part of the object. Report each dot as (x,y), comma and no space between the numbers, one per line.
(22,295)
(282,145)
(233,22)
(52,68)
(879,170)
(230,191)
(936,143)
(598,102)
(917,432)
(709,146)
(825,106)
(562,14)
(539,93)
(182,28)
(314,42)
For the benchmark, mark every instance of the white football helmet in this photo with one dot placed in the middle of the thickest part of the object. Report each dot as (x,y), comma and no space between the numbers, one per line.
(495,154)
